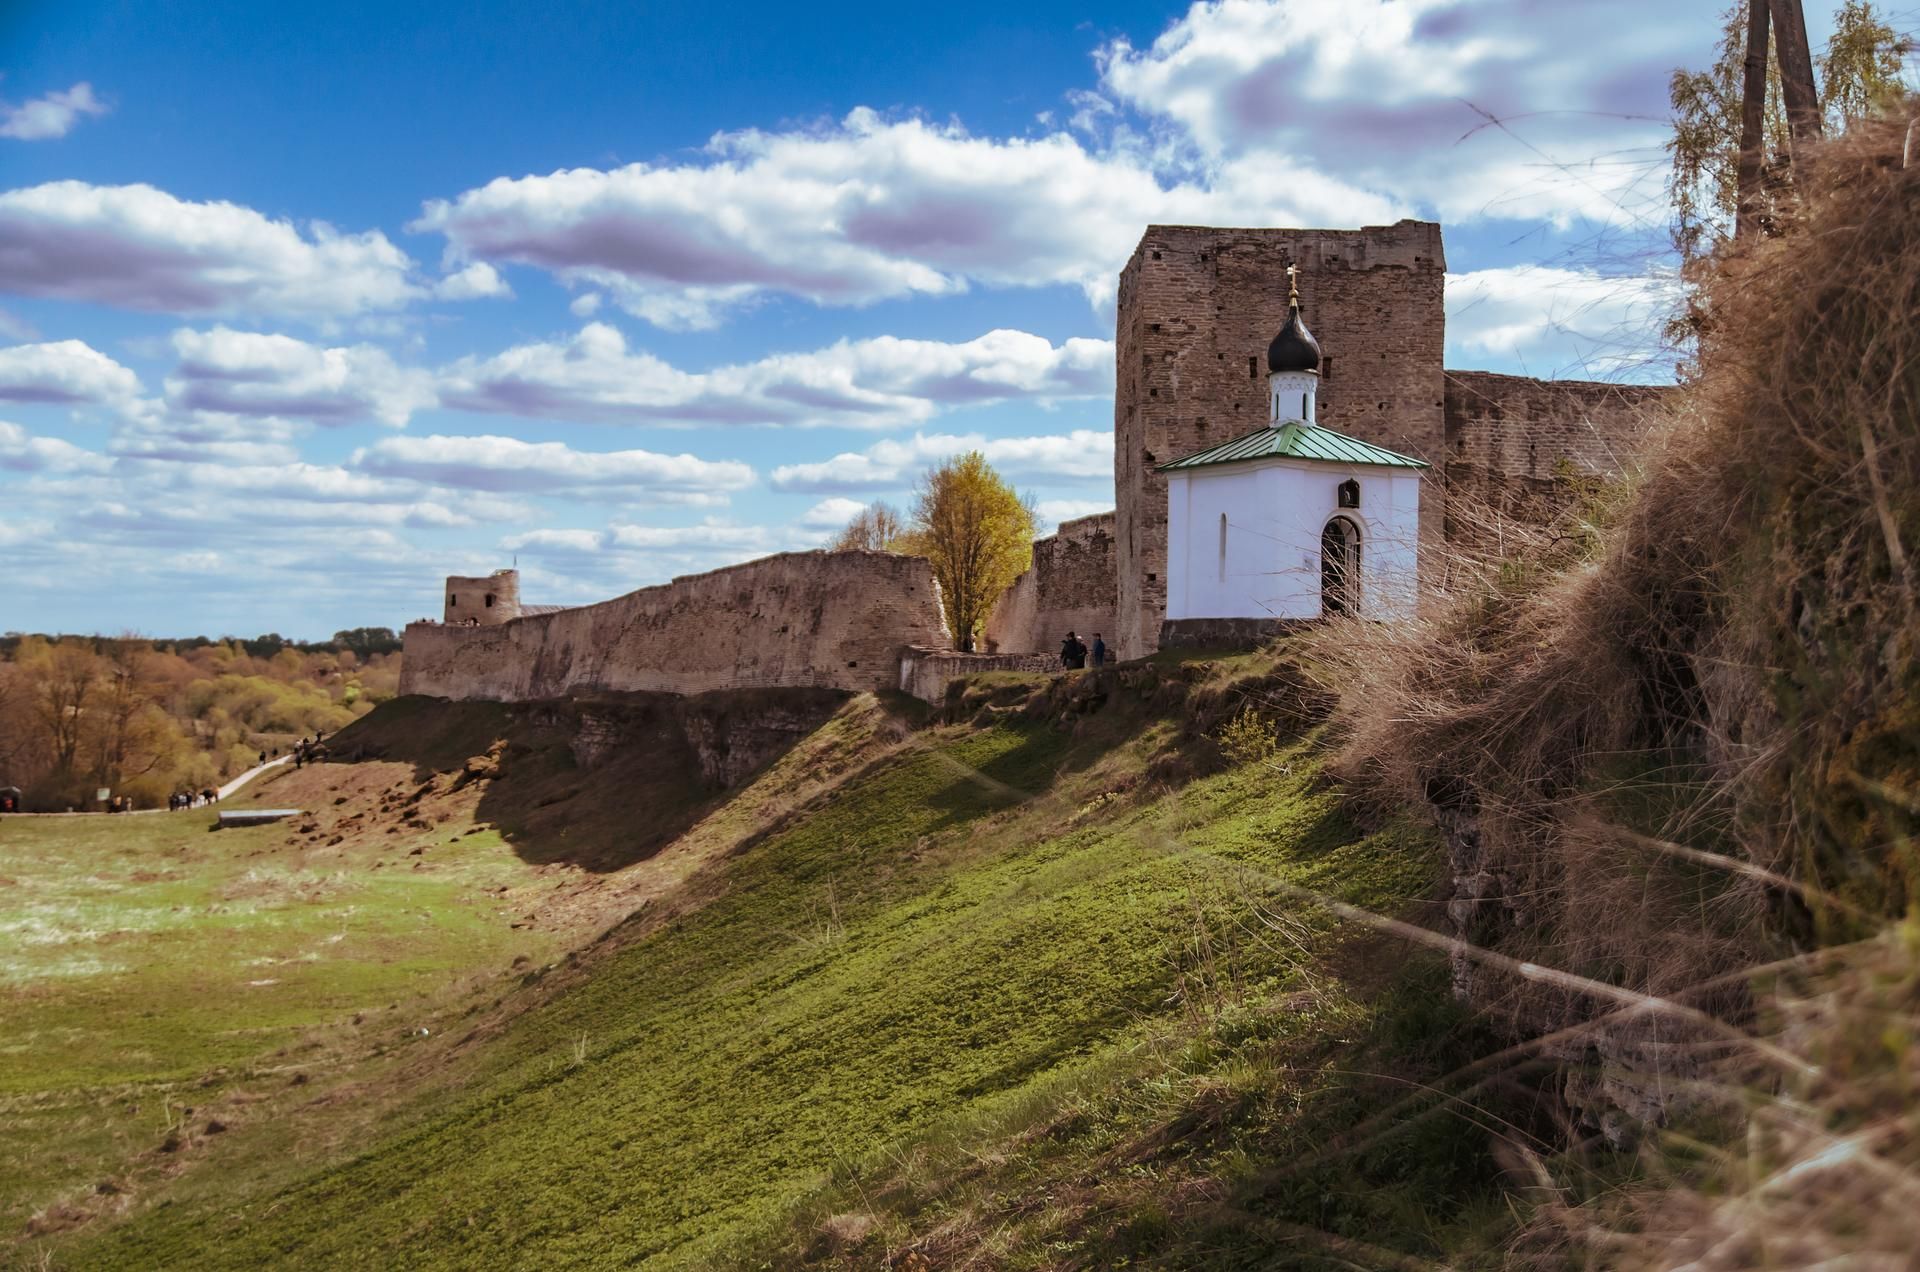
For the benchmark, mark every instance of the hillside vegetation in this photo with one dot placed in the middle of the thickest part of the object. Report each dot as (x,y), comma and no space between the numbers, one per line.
(1102,971)
(1042,987)
(1674,748)
(146,719)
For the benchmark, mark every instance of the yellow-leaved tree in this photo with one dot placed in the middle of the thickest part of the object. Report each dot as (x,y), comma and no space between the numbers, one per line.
(976,532)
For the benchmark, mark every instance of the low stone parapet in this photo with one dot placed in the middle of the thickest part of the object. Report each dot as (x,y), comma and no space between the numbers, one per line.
(925,673)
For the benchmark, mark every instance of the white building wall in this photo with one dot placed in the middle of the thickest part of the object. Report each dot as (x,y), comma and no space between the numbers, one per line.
(1292,395)
(1275,512)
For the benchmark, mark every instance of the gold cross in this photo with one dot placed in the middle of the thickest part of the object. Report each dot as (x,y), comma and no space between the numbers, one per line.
(1293,283)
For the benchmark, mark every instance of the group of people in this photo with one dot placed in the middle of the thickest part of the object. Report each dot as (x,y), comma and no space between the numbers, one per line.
(1074,654)
(192,799)
(307,749)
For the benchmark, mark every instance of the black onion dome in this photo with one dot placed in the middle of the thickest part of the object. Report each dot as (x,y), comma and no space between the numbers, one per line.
(1294,349)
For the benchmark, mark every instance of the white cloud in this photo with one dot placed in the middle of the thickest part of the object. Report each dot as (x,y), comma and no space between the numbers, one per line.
(1388,95)
(25,533)
(864,210)
(65,371)
(206,437)
(49,117)
(1054,511)
(876,383)
(21,452)
(586,304)
(316,483)
(477,281)
(1557,321)
(708,545)
(253,374)
(1081,455)
(560,542)
(138,247)
(832,514)
(508,464)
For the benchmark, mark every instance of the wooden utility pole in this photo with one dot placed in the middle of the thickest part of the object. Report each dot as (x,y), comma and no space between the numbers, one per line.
(1796,73)
(1753,121)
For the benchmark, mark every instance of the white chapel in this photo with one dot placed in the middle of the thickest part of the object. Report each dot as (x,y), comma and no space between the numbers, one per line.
(1292,521)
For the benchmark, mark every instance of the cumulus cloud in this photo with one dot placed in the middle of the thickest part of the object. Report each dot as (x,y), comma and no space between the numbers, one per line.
(69,372)
(1080,455)
(508,464)
(252,374)
(1242,112)
(1557,321)
(877,383)
(1399,95)
(317,483)
(49,117)
(1054,511)
(137,247)
(711,543)
(477,281)
(193,437)
(22,452)
(832,514)
(864,210)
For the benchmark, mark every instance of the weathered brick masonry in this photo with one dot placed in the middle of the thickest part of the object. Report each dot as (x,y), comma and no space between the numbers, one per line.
(1197,307)
(1070,588)
(833,620)
(1510,437)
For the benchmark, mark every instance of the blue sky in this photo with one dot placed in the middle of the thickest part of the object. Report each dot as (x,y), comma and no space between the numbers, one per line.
(302,307)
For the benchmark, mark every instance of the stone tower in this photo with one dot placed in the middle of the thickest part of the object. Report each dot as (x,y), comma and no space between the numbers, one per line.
(1197,309)
(489,601)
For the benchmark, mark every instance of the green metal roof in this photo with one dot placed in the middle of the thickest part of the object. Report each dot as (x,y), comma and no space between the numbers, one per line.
(1295,440)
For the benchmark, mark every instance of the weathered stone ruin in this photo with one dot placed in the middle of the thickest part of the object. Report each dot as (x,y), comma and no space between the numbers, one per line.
(1197,307)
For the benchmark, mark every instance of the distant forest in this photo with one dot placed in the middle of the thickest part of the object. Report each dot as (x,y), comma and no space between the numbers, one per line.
(144,718)
(363,641)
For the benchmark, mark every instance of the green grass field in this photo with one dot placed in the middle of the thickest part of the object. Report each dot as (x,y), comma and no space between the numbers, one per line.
(149,964)
(964,973)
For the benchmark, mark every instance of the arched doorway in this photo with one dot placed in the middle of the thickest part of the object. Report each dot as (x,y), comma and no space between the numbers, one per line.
(1340,567)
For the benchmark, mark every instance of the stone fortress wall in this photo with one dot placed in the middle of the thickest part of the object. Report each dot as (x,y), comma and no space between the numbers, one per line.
(1510,438)
(1197,308)
(1071,587)
(833,620)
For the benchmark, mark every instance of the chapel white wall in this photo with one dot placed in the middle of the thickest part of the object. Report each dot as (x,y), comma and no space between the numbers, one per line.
(1275,513)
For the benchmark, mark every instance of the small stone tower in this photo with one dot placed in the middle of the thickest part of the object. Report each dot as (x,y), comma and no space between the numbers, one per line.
(488,601)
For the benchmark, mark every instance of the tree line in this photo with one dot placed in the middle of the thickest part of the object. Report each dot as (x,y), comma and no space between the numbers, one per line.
(145,718)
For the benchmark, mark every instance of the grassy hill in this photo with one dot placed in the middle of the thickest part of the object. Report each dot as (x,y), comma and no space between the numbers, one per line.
(1036,989)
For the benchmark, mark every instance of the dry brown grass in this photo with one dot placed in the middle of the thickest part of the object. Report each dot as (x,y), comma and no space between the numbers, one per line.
(1673,737)
(1732,628)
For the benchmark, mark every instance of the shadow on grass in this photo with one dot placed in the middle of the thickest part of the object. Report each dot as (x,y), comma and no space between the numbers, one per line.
(598,782)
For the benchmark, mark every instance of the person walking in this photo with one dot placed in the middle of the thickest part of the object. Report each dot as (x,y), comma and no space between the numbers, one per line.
(1099,652)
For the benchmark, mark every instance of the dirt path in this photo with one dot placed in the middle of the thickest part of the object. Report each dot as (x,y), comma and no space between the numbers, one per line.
(252,773)
(224,791)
